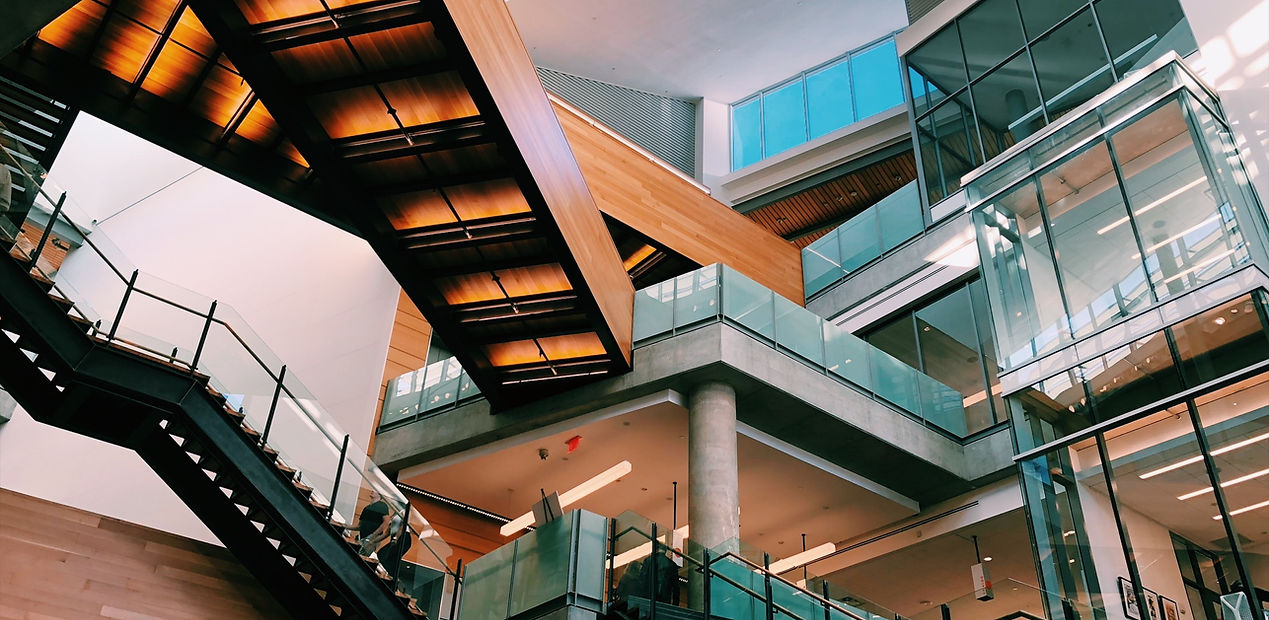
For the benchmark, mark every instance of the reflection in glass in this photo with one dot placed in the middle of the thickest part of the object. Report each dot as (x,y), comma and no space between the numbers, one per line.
(950,353)
(1040,16)
(1220,341)
(1071,64)
(1131,376)
(1018,268)
(1189,237)
(938,62)
(1008,105)
(1050,410)
(990,32)
(1140,31)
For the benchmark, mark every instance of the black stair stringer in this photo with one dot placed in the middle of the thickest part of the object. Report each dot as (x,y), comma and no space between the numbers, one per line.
(230,526)
(120,396)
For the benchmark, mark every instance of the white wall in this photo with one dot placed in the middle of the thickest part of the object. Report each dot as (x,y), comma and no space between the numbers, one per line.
(318,297)
(1235,60)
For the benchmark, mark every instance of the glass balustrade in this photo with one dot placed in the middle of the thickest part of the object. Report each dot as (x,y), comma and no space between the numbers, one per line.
(873,232)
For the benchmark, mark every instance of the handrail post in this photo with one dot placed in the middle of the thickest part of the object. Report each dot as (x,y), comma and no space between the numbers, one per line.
(132,283)
(824,589)
(705,583)
(612,560)
(458,582)
(48,229)
(334,492)
(202,340)
(766,582)
(945,611)
(651,566)
(273,408)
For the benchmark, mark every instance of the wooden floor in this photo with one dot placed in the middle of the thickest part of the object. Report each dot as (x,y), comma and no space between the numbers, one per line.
(60,562)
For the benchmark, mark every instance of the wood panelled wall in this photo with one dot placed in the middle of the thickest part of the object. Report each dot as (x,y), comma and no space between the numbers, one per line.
(469,534)
(675,213)
(61,562)
(407,350)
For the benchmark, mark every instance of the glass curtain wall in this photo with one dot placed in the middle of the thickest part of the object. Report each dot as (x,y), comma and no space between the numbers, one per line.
(1006,68)
(949,338)
(1163,513)
(1141,213)
(855,86)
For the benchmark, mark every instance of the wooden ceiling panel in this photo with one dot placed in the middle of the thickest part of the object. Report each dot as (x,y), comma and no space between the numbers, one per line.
(808,214)
(153,14)
(468,158)
(565,347)
(174,73)
(397,46)
(223,92)
(73,30)
(397,170)
(431,98)
(258,125)
(191,33)
(475,201)
(417,209)
(261,11)
(518,282)
(123,48)
(318,61)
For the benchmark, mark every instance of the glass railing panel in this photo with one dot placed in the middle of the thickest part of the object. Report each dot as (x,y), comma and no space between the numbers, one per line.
(846,356)
(735,591)
(486,582)
(860,240)
(942,406)
(425,585)
(440,384)
(246,385)
(899,215)
(466,387)
(799,331)
(822,263)
(895,381)
(696,296)
(748,303)
(654,311)
(792,602)
(302,445)
(542,563)
(403,397)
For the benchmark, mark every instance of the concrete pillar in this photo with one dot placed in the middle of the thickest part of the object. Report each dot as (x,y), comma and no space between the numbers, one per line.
(712,476)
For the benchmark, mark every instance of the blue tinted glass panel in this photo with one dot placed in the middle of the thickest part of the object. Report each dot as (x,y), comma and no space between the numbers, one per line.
(746,141)
(828,99)
(876,80)
(783,118)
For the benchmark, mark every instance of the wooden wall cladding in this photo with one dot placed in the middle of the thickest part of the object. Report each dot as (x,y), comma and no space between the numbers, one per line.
(61,562)
(468,534)
(671,211)
(407,350)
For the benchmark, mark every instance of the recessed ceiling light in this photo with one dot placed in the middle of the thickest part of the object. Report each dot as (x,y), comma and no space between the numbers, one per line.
(1220,320)
(987,559)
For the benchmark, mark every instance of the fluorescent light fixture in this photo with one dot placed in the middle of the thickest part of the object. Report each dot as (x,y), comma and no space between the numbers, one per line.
(644,550)
(1181,234)
(1234,513)
(596,483)
(1229,483)
(1203,265)
(1177,192)
(805,557)
(1194,459)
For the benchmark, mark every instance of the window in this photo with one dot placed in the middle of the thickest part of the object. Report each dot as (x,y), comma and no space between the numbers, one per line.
(860,84)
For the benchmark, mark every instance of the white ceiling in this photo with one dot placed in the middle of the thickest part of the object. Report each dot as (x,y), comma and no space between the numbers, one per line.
(780,497)
(717,49)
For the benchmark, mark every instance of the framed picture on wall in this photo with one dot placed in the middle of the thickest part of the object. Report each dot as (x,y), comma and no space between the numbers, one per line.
(1131,609)
(1170,609)
(1152,604)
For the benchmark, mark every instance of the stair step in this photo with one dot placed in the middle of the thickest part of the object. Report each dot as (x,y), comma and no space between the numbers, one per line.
(234,414)
(302,488)
(286,470)
(66,304)
(251,433)
(44,282)
(84,324)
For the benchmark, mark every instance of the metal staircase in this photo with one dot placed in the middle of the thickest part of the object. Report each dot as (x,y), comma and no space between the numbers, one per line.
(66,370)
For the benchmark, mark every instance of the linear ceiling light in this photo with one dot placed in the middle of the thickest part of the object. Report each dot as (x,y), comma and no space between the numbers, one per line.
(806,557)
(1230,483)
(574,494)
(644,550)
(1234,513)
(1170,196)
(1194,459)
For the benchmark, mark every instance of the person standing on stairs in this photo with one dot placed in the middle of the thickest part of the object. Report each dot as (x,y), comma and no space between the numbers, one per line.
(373,523)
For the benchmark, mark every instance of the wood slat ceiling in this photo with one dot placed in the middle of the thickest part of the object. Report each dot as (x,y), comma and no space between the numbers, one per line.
(383,116)
(815,211)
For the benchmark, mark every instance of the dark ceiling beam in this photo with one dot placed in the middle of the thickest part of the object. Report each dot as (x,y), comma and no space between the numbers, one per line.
(415,140)
(346,22)
(497,222)
(428,67)
(582,329)
(520,261)
(230,28)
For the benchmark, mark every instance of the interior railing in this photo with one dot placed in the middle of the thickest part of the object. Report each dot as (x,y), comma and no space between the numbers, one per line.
(862,239)
(167,323)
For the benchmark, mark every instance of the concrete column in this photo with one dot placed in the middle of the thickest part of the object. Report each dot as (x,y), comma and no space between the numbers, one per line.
(712,476)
